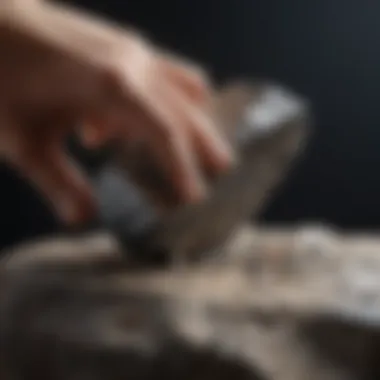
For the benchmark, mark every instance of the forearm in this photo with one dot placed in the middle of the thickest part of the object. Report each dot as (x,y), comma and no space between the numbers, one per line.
(68,29)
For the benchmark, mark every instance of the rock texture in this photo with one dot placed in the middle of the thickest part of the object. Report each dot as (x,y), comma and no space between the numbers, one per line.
(266,123)
(275,304)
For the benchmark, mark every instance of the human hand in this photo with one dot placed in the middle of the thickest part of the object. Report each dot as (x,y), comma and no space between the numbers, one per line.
(61,69)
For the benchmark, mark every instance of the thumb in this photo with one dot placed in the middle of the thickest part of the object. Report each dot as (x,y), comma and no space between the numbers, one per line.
(61,182)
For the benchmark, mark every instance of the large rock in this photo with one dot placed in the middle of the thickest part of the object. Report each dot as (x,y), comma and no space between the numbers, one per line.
(274,305)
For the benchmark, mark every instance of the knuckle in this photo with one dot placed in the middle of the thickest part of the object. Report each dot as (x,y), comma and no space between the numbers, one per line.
(187,69)
(129,61)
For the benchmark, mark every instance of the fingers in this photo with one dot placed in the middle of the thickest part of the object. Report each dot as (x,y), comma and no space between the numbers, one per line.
(152,96)
(210,146)
(164,131)
(97,129)
(193,97)
(167,107)
(59,180)
(192,81)
(189,124)
(171,115)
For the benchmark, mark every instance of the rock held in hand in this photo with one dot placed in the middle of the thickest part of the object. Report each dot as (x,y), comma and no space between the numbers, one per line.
(265,123)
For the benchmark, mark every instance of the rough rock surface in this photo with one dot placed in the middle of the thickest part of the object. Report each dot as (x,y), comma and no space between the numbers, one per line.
(274,304)
(266,123)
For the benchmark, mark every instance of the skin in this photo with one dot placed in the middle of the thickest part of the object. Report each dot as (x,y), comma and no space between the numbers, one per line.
(63,71)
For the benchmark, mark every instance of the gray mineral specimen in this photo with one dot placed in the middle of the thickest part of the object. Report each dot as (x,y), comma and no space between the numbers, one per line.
(266,123)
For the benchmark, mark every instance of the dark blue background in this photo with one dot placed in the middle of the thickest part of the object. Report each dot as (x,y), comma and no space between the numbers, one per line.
(328,50)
